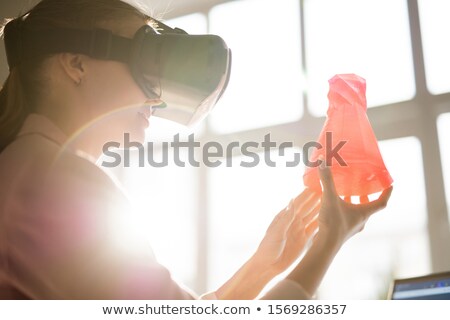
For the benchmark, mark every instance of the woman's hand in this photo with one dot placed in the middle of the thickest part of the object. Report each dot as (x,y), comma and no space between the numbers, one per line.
(283,243)
(289,233)
(339,219)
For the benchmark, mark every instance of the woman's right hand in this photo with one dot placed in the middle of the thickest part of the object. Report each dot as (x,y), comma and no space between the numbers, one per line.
(339,219)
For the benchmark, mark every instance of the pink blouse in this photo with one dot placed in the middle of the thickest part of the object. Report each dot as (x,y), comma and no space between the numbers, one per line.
(59,235)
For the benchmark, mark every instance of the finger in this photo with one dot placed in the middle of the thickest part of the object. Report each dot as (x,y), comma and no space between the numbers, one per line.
(326,177)
(378,204)
(312,228)
(299,232)
(312,215)
(300,223)
(289,214)
(303,197)
(303,209)
(282,220)
(363,199)
(305,194)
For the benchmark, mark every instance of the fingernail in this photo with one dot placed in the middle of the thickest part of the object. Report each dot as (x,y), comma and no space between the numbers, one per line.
(322,162)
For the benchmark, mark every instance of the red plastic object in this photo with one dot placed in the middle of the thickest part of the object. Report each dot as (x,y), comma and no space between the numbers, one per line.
(365,172)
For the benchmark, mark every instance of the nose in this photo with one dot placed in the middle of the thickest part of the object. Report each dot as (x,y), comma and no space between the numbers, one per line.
(154,102)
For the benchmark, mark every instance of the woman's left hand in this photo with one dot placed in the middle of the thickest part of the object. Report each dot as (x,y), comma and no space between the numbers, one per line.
(289,233)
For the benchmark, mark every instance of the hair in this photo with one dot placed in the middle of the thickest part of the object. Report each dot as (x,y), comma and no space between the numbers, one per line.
(26,82)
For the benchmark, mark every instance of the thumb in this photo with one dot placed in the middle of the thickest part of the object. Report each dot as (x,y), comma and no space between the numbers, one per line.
(326,177)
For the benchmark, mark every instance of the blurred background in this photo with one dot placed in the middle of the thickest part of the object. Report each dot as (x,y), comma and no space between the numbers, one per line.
(203,223)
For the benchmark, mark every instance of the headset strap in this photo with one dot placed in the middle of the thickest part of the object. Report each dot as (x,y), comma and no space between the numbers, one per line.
(96,43)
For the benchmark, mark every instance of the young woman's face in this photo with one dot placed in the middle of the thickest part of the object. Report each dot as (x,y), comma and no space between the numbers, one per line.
(114,99)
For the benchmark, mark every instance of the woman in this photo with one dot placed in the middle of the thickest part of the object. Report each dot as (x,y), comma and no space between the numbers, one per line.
(59,211)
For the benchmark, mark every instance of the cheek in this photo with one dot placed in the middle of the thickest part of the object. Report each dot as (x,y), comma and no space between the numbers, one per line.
(112,88)
(126,121)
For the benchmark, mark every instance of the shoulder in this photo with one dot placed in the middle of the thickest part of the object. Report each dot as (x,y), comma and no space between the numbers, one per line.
(34,163)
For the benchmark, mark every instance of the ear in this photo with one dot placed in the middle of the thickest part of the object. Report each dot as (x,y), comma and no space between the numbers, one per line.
(73,65)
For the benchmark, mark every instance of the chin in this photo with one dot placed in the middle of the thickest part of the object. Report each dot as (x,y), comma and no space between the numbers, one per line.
(132,138)
(140,136)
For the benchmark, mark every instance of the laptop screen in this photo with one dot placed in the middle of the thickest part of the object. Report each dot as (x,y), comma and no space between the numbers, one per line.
(434,287)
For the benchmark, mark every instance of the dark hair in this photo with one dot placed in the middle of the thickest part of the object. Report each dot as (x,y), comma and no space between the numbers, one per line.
(26,82)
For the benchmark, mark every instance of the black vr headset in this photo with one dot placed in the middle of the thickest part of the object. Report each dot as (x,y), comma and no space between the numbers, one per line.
(189,73)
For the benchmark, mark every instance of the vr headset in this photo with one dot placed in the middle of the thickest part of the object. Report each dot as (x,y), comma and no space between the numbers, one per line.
(189,73)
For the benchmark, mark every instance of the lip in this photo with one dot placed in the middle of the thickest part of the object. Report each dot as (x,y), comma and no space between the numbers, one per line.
(144,118)
(145,114)
(146,111)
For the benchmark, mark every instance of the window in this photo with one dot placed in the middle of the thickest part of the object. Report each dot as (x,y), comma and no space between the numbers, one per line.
(444,134)
(243,202)
(435,27)
(221,214)
(362,37)
(265,87)
(394,243)
(195,23)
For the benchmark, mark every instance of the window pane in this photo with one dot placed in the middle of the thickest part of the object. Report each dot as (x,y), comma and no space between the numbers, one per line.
(369,38)
(243,202)
(435,28)
(444,134)
(162,129)
(394,243)
(192,23)
(265,86)
(165,199)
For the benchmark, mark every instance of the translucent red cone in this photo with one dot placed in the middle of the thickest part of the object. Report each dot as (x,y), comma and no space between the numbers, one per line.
(358,168)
